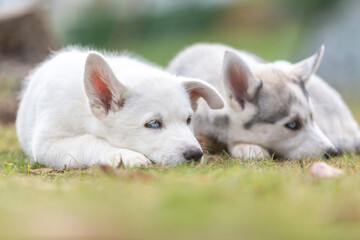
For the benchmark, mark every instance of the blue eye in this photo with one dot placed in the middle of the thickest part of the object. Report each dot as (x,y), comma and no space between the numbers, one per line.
(293,125)
(155,124)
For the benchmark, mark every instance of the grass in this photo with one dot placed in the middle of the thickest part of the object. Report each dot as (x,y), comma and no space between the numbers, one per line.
(224,198)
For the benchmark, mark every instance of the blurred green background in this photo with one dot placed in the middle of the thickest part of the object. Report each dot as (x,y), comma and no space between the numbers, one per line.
(271,29)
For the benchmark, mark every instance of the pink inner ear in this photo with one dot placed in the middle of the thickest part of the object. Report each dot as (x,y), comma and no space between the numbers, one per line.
(102,91)
(194,96)
(239,84)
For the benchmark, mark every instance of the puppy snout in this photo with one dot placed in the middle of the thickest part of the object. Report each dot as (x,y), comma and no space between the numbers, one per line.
(193,154)
(332,152)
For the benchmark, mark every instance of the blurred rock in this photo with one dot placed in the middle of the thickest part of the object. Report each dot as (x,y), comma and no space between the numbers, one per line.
(25,40)
(322,169)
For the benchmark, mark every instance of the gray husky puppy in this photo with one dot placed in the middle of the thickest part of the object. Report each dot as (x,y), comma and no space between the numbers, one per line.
(270,107)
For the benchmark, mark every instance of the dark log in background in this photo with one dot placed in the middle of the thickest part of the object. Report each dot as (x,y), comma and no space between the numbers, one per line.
(25,40)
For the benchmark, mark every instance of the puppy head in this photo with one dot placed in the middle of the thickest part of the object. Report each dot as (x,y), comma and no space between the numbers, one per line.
(147,110)
(271,106)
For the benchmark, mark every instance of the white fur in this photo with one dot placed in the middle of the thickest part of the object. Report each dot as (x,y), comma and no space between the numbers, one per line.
(206,62)
(62,120)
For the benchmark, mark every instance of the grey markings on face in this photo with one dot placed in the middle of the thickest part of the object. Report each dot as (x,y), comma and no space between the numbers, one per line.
(275,98)
(271,107)
(273,101)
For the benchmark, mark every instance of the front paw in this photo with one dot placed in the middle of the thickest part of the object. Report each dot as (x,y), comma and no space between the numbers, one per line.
(134,159)
(128,158)
(249,151)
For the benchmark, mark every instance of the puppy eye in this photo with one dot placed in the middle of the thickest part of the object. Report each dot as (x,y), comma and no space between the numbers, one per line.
(154,124)
(188,120)
(293,125)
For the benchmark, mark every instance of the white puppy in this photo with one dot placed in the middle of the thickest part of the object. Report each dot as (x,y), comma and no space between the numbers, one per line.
(82,108)
(266,104)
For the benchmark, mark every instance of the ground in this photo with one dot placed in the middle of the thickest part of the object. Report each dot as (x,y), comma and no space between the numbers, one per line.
(223,198)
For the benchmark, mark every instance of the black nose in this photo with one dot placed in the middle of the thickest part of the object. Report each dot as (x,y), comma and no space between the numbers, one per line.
(193,154)
(332,152)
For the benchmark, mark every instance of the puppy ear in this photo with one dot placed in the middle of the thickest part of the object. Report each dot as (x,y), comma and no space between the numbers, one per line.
(239,81)
(305,68)
(197,89)
(105,93)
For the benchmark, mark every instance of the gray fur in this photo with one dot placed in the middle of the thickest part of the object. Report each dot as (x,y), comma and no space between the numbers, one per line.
(271,108)
(259,125)
(218,132)
(303,89)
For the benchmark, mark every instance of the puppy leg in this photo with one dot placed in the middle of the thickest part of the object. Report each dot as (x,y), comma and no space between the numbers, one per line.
(248,151)
(82,151)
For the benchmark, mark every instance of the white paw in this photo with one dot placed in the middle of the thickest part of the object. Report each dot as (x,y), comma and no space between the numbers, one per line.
(134,159)
(128,158)
(249,151)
